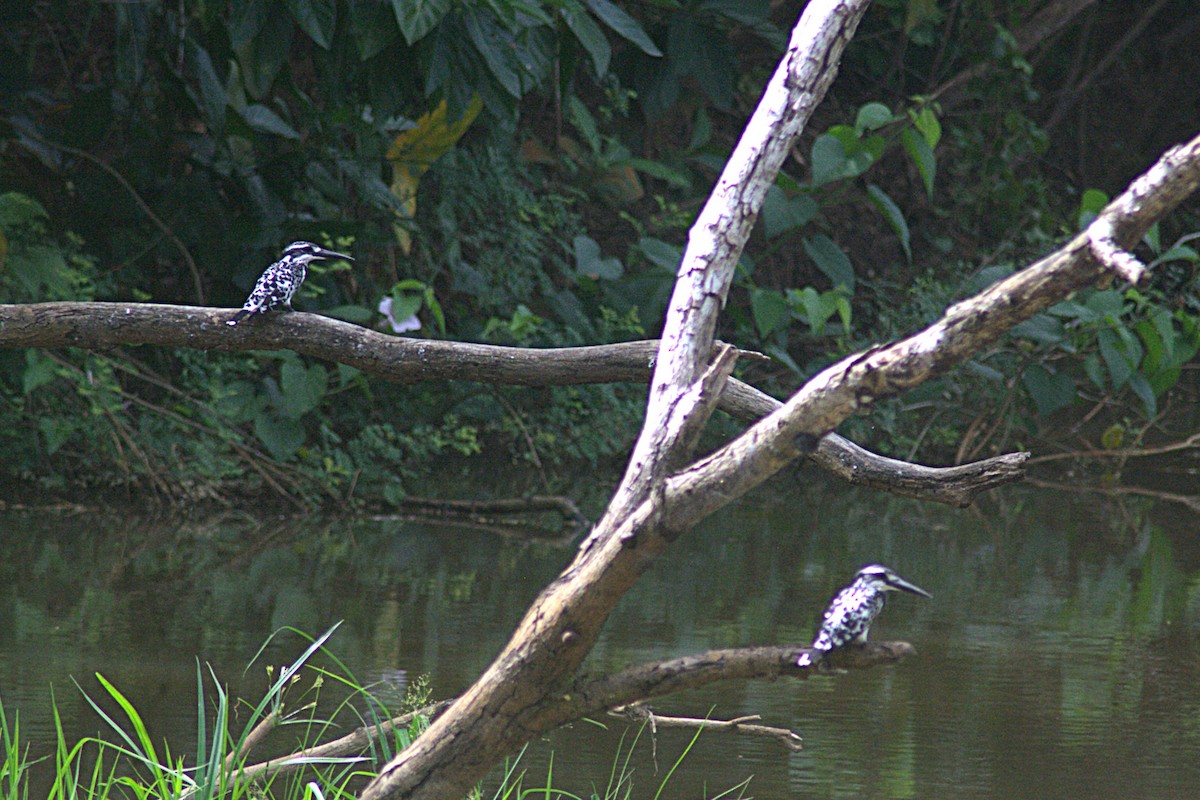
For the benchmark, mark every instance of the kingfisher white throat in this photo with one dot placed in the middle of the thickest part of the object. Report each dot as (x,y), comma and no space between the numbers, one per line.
(852,610)
(280,281)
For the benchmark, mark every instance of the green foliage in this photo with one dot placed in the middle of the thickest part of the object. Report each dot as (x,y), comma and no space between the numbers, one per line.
(224,129)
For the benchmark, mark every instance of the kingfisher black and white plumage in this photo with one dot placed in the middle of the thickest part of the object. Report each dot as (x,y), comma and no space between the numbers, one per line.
(280,281)
(852,610)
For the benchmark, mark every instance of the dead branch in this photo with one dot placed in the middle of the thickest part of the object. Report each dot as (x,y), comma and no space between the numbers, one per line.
(747,725)
(101,326)
(1189,443)
(352,744)
(633,684)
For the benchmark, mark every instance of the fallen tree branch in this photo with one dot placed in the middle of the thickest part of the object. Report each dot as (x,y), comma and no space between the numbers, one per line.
(745,725)
(634,685)
(101,326)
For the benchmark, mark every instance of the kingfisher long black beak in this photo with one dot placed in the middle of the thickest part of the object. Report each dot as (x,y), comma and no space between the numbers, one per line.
(896,582)
(323,253)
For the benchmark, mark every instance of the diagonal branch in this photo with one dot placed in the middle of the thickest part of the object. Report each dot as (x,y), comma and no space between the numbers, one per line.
(721,230)
(885,371)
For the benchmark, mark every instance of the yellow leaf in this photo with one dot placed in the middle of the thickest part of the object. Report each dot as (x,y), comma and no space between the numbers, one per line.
(413,152)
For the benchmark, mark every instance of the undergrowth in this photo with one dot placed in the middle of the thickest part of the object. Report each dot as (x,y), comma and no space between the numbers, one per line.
(230,760)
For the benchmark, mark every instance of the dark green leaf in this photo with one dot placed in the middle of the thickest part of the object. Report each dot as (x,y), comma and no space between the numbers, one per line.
(1141,387)
(1094,370)
(282,437)
(662,254)
(1050,391)
(39,371)
(302,388)
(418,17)
(657,169)
(1115,358)
(245,21)
(891,212)
(588,33)
(496,46)
(747,12)
(623,25)
(374,28)
(588,260)
(770,310)
(55,432)
(832,261)
(1106,304)
(356,314)
(781,213)
(264,120)
(317,18)
(213,98)
(262,57)
(828,159)
(922,157)
(872,116)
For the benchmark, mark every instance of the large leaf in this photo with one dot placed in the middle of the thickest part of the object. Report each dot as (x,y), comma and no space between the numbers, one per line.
(770,310)
(413,152)
(281,436)
(590,36)
(832,261)
(781,213)
(374,28)
(1050,391)
(263,56)
(418,17)
(623,25)
(212,98)
(302,388)
(317,18)
(588,260)
(839,154)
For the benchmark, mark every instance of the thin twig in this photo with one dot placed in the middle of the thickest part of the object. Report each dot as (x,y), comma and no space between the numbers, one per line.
(1187,444)
(1192,501)
(198,284)
(786,737)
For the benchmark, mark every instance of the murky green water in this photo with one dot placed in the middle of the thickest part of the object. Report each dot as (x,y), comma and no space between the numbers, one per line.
(1059,657)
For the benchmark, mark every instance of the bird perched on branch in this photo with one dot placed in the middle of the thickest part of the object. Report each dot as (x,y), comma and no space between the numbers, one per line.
(852,610)
(280,281)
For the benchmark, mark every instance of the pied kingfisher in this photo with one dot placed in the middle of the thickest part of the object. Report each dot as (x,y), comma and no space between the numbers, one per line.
(279,282)
(852,610)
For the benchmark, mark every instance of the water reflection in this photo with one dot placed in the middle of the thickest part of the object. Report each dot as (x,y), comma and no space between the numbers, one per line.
(1058,657)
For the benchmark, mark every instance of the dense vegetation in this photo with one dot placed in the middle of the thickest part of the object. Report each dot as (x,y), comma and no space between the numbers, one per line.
(525,172)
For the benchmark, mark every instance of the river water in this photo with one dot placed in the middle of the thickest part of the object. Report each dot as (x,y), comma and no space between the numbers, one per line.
(1059,656)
